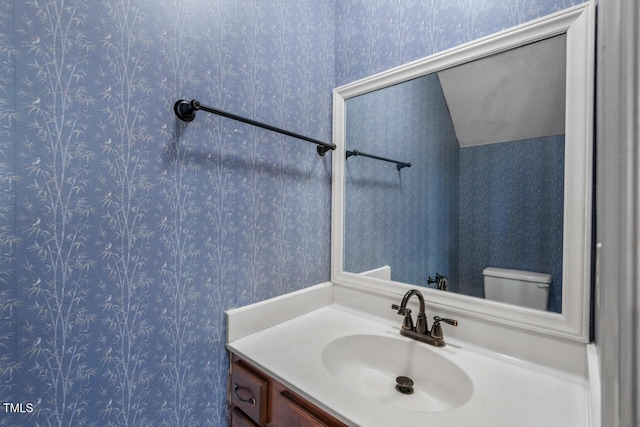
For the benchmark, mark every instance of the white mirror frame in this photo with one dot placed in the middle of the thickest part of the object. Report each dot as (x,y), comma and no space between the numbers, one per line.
(573,323)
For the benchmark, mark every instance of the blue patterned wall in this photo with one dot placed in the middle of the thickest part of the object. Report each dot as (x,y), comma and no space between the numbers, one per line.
(402,218)
(8,238)
(511,211)
(125,234)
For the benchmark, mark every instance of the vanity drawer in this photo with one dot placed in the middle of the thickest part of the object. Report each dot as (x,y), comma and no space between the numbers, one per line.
(240,419)
(248,393)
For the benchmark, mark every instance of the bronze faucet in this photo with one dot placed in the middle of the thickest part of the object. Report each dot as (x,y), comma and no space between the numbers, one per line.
(421,331)
(440,281)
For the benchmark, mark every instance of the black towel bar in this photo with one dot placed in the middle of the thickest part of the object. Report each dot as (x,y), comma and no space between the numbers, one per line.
(186,111)
(399,165)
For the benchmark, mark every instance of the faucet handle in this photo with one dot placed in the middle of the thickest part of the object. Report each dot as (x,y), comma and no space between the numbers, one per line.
(438,319)
(407,321)
(401,310)
(436,329)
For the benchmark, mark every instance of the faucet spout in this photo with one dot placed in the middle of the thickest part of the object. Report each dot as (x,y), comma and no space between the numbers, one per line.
(421,331)
(421,322)
(408,295)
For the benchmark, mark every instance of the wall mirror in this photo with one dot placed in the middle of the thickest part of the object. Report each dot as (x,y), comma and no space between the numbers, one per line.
(471,162)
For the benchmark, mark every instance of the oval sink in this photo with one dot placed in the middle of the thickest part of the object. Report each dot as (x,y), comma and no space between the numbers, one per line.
(370,365)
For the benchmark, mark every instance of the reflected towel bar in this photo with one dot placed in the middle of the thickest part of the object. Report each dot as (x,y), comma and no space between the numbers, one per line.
(399,165)
(186,111)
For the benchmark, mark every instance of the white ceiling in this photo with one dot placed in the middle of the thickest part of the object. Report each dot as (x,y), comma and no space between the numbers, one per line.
(513,95)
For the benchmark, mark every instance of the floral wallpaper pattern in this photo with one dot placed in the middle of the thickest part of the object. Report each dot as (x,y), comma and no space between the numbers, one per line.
(124,233)
(127,233)
(9,302)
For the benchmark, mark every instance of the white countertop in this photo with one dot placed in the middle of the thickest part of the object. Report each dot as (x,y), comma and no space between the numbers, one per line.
(506,392)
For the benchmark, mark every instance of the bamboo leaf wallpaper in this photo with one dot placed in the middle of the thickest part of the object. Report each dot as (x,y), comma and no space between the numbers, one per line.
(124,233)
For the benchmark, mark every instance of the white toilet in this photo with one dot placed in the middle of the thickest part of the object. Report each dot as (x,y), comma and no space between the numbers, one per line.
(524,288)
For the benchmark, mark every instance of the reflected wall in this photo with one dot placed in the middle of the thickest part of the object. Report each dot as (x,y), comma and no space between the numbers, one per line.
(511,211)
(402,218)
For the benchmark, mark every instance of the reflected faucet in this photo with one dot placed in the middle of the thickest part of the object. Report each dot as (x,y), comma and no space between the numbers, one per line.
(421,331)
(440,281)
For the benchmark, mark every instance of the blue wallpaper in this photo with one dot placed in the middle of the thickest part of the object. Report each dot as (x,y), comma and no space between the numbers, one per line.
(511,211)
(402,218)
(9,302)
(125,234)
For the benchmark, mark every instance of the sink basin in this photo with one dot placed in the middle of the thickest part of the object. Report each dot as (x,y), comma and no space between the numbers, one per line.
(370,365)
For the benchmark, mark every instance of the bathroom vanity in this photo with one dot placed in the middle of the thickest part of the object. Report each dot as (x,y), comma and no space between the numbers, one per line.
(334,354)
(334,359)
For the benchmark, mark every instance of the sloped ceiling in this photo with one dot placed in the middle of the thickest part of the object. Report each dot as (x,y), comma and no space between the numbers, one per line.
(509,96)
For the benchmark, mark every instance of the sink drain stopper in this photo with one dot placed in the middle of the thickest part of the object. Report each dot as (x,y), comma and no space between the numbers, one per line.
(404,385)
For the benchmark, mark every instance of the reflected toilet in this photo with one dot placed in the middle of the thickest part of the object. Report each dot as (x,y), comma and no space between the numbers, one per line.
(519,287)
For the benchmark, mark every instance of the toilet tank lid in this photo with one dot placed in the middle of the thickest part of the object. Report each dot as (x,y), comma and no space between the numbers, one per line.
(527,276)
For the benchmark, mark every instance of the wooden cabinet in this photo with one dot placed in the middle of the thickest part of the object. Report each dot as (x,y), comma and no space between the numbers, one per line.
(240,419)
(257,400)
(291,413)
(248,392)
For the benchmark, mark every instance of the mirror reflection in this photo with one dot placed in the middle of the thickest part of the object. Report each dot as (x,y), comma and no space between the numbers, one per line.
(480,209)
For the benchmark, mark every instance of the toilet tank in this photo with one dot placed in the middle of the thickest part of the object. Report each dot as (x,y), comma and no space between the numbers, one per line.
(524,288)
